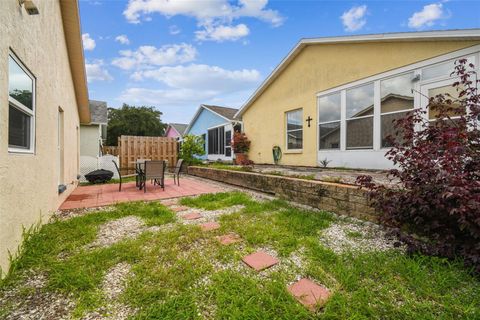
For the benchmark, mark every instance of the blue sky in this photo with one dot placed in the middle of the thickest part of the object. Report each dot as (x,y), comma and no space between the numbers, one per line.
(176,54)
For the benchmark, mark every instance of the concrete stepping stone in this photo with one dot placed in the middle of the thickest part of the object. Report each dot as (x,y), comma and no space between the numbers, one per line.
(310,294)
(208,226)
(181,208)
(260,260)
(192,216)
(230,238)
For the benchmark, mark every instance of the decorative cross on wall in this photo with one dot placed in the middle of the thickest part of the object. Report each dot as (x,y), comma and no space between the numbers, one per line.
(308,120)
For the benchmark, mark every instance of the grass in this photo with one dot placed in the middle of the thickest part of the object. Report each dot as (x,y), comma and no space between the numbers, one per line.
(183,273)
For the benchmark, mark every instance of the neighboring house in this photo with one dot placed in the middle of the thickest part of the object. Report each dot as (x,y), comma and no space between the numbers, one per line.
(175,130)
(94,134)
(216,126)
(43,100)
(335,98)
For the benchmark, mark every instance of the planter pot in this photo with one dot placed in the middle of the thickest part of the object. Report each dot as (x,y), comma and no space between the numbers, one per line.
(240,158)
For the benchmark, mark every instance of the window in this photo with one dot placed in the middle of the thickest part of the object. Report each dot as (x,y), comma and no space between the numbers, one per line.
(204,138)
(359,108)
(216,140)
(295,129)
(329,121)
(228,143)
(21,107)
(396,96)
(444,69)
(456,106)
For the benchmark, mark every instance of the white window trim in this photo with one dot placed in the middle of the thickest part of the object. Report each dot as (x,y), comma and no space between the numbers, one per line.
(24,109)
(287,150)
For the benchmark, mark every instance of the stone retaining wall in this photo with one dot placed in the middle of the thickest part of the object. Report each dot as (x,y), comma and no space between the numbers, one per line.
(338,198)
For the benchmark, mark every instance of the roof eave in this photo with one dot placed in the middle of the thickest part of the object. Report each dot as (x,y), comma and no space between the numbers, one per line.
(463,34)
(73,39)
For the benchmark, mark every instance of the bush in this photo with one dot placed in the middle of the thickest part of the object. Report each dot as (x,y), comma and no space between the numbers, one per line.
(192,146)
(436,210)
(240,143)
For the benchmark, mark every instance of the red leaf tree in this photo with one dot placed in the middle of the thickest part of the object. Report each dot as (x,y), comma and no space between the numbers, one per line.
(436,208)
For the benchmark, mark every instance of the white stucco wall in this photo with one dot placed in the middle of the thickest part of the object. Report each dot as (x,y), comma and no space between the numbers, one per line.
(29,182)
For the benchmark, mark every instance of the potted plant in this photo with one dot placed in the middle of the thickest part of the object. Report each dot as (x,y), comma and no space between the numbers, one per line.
(241,146)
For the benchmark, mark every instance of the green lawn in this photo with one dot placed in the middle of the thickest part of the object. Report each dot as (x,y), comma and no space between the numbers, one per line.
(181,272)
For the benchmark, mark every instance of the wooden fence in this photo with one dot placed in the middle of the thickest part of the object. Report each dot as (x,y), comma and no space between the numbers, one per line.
(131,148)
(113,150)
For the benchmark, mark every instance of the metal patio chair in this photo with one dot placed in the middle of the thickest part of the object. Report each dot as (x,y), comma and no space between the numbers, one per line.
(176,172)
(128,175)
(154,170)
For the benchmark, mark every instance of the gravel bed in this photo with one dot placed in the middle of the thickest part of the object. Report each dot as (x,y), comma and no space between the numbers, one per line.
(37,303)
(207,215)
(117,230)
(357,237)
(63,215)
(113,285)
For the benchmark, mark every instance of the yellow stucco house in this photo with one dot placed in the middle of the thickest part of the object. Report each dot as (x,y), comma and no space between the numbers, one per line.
(43,100)
(335,98)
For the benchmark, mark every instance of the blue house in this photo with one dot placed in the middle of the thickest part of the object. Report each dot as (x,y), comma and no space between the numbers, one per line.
(216,126)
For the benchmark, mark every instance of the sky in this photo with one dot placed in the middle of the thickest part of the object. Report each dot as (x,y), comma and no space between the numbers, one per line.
(177,54)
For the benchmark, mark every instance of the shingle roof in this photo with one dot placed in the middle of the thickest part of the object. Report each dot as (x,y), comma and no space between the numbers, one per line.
(226,112)
(180,127)
(98,112)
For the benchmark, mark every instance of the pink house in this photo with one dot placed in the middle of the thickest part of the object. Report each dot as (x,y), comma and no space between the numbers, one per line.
(175,130)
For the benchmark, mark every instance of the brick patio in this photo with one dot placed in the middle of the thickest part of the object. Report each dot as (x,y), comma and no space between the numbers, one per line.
(107,194)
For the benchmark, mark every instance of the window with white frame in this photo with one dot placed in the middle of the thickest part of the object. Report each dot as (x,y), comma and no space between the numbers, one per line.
(391,95)
(443,69)
(228,143)
(21,107)
(294,129)
(359,111)
(216,141)
(396,99)
(329,121)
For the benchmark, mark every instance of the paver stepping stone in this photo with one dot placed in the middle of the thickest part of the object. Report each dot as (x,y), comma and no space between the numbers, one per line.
(260,260)
(228,239)
(170,202)
(310,294)
(192,216)
(181,208)
(207,226)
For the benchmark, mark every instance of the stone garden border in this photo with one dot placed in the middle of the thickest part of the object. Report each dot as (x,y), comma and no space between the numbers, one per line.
(338,198)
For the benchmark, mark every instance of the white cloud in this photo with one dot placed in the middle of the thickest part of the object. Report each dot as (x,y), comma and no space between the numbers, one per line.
(206,10)
(222,33)
(164,97)
(427,16)
(123,39)
(88,43)
(202,77)
(354,19)
(182,88)
(214,17)
(174,29)
(150,56)
(97,72)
